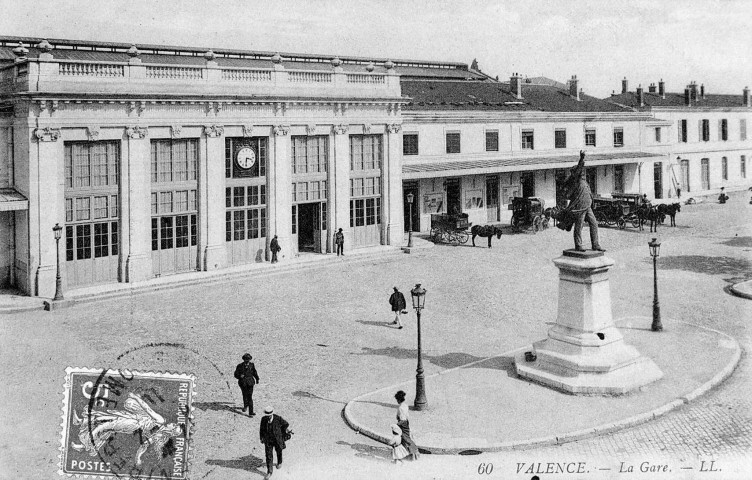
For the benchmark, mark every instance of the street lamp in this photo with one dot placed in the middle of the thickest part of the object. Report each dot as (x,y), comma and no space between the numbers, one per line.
(655,249)
(419,301)
(410,231)
(58,282)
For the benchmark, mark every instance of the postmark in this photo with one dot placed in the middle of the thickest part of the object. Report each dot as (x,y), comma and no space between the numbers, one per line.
(126,424)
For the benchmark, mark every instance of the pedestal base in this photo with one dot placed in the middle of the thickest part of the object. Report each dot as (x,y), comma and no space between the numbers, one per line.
(585,353)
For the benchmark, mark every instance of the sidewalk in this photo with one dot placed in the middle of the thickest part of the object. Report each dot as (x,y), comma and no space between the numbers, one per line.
(478,407)
(742,289)
(14,301)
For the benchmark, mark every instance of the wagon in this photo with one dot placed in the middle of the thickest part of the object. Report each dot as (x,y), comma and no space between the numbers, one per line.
(617,210)
(446,228)
(527,213)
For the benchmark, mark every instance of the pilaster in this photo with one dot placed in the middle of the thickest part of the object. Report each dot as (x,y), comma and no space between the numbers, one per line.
(46,207)
(212,190)
(280,180)
(392,214)
(135,194)
(340,184)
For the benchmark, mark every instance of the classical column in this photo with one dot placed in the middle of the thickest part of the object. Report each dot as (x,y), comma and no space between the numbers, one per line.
(46,206)
(211,182)
(340,184)
(392,216)
(279,199)
(135,195)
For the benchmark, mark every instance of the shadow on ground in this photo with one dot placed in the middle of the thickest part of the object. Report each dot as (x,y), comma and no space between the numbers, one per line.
(249,463)
(744,242)
(219,407)
(369,451)
(447,360)
(302,394)
(707,265)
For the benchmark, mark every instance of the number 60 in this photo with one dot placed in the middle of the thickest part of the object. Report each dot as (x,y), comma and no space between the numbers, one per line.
(486,468)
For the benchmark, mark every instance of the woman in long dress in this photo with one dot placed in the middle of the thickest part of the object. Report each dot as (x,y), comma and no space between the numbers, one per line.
(398,450)
(403,422)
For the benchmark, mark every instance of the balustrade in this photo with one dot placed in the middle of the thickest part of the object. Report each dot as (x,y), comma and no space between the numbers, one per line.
(174,73)
(246,75)
(91,70)
(309,77)
(365,78)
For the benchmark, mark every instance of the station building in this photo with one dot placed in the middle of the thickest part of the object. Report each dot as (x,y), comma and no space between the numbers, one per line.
(708,144)
(160,160)
(472,144)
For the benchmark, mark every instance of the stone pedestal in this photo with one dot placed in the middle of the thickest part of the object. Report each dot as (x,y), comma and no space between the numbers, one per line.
(585,353)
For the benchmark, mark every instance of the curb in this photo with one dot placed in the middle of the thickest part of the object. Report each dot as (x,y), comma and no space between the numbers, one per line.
(740,293)
(589,432)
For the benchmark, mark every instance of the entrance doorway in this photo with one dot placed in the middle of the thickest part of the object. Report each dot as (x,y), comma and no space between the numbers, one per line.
(591,173)
(561,192)
(658,179)
(492,199)
(406,190)
(527,179)
(311,222)
(454,196)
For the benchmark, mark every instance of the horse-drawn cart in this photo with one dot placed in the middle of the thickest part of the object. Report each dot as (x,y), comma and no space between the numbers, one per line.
(617,210)
(446,228)
(527,214)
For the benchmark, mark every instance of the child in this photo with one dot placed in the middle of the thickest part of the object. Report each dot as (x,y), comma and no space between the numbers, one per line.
(398,450)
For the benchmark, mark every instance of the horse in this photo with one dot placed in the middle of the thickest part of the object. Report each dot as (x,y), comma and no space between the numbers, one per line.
(485,231)
(670,210)
(650,214)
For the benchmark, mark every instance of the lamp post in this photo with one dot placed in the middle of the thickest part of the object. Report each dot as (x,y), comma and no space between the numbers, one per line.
(655,248)
(410,221)
(419,301)
(58,230)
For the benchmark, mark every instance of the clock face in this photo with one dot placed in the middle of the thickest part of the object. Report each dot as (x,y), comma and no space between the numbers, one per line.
(245,158)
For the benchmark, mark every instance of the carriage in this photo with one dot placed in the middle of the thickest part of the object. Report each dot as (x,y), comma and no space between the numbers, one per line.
(527,214)
(617,210)
(446,228)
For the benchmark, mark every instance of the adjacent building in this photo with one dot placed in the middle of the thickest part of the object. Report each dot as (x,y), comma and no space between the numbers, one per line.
(705,134)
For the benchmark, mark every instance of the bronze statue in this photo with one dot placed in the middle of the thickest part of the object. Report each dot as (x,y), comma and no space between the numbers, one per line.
(580,207)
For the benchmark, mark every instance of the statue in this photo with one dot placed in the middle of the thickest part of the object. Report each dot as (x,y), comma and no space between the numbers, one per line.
(580,207)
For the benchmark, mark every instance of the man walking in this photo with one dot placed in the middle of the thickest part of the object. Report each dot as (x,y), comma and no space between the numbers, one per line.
(273,433)
(580,205)
(397,301)
(247,377)
(275,248)
(339,241)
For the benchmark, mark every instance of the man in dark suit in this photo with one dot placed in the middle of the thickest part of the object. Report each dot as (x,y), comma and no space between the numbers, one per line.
(581,205)
(247,377)
(273,432)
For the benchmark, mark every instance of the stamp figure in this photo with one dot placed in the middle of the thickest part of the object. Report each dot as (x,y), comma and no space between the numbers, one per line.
(119,423)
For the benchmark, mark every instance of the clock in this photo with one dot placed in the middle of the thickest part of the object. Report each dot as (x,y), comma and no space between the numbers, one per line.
(245,158)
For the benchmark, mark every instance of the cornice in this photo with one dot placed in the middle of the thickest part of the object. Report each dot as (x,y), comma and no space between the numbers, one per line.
(411,116)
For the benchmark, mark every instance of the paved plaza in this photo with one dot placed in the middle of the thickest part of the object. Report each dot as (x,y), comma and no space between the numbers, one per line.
(319,339)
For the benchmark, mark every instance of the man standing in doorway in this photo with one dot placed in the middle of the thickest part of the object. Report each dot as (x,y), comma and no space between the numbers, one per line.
(247,377)
(275,248)
(397,301)
(273,433)
(339,241)
(581,205)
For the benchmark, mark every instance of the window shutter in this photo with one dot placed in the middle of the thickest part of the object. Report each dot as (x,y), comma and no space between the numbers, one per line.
(700,138)
(679,130)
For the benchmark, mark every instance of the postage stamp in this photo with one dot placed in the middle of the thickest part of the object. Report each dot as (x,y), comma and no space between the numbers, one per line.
(126,424)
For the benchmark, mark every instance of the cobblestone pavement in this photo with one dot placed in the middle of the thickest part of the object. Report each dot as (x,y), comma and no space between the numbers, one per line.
(319,339)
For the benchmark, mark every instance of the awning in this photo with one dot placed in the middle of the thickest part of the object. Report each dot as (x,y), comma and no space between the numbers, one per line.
(444,168)
(11,200)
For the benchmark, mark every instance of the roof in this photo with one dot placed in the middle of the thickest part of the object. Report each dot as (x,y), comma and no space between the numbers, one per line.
(176,55)
(476,95)
(10,199)
(650,99)
(516,163)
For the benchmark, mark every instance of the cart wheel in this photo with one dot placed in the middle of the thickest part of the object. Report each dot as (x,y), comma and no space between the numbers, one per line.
(435,235)
(515,221)
(635,222)
(621,224)
(463,237)
(446,237)
(536,224)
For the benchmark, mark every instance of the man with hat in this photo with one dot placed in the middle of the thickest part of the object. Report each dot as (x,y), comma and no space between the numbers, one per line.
(273,432)
(581,205)
(247,377)
(397,301)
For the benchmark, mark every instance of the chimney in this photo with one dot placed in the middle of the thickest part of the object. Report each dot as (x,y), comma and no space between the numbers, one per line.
(515,85)
(702,91)
(688,96)
(693,90)
(651,88)
(662,89)
(574,91)
(624,85)
(745,97)
(640,95)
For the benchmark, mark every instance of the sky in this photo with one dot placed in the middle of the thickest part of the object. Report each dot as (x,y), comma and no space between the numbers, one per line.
(708,41)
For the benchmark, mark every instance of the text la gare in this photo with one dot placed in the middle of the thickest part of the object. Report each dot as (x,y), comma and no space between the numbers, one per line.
(644,467)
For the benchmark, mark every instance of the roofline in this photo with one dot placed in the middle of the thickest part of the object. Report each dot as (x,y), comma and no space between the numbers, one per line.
(221,52)
(486,115)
